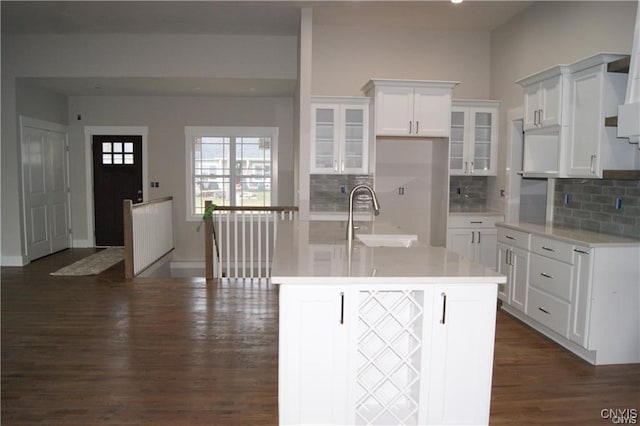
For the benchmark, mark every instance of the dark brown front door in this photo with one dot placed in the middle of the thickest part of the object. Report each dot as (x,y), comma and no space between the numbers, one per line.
(117,175)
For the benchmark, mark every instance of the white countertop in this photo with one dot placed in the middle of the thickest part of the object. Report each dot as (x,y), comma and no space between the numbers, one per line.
(573,235)
(467,212)
(311,252)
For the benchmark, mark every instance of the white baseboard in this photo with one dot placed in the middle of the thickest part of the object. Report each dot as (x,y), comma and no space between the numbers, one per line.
(14,260)
(82,244)
(178,264)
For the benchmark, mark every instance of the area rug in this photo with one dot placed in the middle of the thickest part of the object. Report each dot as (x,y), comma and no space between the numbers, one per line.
(93,264)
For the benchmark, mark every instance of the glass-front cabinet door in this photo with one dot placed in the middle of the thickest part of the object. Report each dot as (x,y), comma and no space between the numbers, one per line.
(324,139)
(483,137)
(340,136)
(354,149)
(457,139)
(473,141)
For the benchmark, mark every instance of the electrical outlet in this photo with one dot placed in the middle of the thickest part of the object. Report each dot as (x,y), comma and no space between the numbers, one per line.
(401,191)
(618,203)
(567,198)
(343,190)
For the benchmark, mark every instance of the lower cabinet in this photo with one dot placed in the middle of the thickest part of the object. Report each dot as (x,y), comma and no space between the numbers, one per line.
(514,263)
(585,297)
(474,237)
(396,354)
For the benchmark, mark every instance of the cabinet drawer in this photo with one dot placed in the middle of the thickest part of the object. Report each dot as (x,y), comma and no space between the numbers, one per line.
(551,276)
(549,311)
(476,222)
(554,249)
(514,238)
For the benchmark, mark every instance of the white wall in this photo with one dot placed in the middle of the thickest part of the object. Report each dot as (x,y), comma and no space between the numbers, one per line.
(546,34)
(345,58)
(109,55)
(166,118)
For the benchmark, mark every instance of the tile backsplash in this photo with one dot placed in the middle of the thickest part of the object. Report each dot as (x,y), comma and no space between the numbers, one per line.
(592,204)
(467,193)
(330,193)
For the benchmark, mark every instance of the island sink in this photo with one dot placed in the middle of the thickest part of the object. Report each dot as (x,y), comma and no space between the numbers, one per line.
(384,330)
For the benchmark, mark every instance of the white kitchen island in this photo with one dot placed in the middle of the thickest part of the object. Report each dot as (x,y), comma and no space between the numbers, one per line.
(381,335)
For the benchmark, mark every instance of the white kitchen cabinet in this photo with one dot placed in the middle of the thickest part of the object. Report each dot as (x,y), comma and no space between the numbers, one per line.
(593,147)
(340,135)
(474,138)
(396,354)
(545,121)
(544,98)
(550,276)
(474,237)
(315,348)
(411,108)
(458,382)
(573,288)
(605,280)
(513,261)
(565,109)
(580,284)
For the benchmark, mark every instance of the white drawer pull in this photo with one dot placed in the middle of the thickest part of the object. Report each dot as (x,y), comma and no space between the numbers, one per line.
(547,248)
(546,275)
(540,308)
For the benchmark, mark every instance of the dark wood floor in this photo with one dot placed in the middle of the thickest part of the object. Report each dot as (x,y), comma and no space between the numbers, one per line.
(98,350)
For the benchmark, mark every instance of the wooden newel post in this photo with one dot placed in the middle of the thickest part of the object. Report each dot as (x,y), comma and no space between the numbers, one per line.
(208,243)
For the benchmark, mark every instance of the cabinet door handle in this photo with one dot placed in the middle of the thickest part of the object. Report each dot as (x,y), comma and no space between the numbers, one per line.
(580,251)
(473,234)
(342,165)
(465,167)
(341,307)
(410,126)
(540,308)
(546,275)
(476,221)
(548,248)
(510,237)
(335,165)
(417,127)
(479,237)
(535,117)
(472,167)
(510,257)
(444,307)
(593,163)
(540,117)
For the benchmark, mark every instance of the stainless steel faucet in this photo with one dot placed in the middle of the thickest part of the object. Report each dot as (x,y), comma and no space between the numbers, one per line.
(374,200)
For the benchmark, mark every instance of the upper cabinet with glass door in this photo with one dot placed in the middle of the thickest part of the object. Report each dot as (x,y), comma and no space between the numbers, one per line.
(340,135)
(474,138)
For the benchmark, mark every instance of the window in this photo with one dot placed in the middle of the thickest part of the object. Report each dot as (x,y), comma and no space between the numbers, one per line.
(117,153)
(230,166)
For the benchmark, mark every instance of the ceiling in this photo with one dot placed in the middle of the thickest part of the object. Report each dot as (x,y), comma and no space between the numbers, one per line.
(263,17)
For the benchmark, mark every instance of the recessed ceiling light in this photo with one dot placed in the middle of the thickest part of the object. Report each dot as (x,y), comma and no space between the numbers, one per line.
(456,1)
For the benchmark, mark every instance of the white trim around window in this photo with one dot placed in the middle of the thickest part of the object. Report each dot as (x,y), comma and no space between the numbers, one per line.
(193,132)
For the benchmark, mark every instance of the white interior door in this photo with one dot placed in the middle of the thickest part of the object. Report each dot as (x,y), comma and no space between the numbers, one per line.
(45,187)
